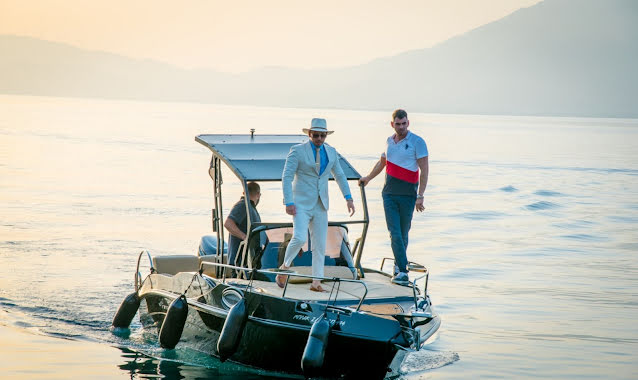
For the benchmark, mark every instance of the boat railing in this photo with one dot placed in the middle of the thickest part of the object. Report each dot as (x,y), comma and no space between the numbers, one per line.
(289,274)
(414,267)
(334,279)
(138,274)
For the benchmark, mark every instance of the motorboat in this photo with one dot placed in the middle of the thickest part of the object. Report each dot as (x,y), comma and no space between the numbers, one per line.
(361,327)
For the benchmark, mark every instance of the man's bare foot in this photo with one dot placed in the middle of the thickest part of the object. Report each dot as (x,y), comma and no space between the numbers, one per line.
(281,278)
(316,287)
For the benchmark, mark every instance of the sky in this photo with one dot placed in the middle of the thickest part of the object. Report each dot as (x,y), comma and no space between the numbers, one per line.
(240,35)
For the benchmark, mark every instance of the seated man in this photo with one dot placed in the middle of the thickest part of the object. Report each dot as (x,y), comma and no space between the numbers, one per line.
(236,222)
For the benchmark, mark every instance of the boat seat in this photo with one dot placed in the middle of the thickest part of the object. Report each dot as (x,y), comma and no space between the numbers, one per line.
(207,252)
(173,264)
(210,270)
(337,259)
(273,257)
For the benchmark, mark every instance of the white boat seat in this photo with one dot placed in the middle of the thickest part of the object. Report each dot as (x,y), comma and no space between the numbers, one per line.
(173,264)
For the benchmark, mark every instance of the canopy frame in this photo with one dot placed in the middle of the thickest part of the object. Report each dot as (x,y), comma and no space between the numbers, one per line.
(261,158)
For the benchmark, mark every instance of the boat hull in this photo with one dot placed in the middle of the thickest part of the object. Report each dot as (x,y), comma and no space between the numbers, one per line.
(360,345)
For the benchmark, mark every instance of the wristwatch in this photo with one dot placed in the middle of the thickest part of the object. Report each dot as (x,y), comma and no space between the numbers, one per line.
(419,196)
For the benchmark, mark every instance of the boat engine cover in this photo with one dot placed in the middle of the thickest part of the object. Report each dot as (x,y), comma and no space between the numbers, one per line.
(208,246)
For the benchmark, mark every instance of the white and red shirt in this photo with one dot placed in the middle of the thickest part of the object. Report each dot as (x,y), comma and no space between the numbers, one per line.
(402,170)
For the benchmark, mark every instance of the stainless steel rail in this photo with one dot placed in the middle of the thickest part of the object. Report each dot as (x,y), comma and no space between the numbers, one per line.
(138,275)
(415,267)
(294,274)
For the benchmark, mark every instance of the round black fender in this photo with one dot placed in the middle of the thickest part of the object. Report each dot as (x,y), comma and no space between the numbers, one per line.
(232,331)
(174,322)
(127,311)
(313,354)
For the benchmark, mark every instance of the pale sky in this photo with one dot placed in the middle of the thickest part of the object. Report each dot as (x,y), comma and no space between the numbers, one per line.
(240,35)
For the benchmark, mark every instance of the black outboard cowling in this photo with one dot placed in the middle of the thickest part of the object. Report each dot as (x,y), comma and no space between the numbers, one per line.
(174,322)
(313,354)
(232,331)
(127,311)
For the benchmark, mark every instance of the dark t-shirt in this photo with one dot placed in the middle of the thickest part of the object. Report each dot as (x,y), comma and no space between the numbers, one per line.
(238,215)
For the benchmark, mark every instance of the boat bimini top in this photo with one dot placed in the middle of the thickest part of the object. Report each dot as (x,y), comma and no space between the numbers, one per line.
(260,157)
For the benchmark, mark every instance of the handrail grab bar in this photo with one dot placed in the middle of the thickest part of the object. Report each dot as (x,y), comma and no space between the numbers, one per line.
(270,271)
(417,268)
(138,275)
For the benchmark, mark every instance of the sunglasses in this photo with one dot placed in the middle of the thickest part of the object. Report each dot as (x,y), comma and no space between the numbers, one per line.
(317,135)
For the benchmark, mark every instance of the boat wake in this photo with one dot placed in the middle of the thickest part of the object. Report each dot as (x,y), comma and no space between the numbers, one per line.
(427,360)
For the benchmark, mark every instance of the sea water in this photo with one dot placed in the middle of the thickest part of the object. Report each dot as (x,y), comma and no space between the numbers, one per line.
(529,233)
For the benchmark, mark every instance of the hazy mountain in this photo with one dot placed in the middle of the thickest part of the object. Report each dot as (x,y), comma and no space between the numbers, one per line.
(32,66)
(559,57)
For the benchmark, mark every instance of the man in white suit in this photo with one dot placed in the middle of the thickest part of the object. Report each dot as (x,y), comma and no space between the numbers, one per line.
(305,185)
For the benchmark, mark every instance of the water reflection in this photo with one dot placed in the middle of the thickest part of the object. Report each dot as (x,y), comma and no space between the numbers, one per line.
(141,366)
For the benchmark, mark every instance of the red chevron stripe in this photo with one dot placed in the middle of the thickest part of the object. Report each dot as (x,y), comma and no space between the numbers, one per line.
(401,173)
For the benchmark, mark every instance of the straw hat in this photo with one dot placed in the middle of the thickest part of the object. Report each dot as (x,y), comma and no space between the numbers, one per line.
(317,125)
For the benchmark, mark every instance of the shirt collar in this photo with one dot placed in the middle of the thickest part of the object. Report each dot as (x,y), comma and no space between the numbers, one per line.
(407,135)
(252,203)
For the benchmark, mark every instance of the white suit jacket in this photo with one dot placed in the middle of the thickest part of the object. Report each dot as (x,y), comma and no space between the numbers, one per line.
(301,180)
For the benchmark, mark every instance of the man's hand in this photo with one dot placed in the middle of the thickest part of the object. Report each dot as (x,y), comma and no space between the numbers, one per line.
(419,205)
(350,203)
(376,170)
(291,210)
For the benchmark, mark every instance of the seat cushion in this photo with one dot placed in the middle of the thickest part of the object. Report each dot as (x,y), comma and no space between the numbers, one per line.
(174,264)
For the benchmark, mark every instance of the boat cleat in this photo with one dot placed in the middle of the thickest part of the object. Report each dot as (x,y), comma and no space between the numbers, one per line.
(420,314)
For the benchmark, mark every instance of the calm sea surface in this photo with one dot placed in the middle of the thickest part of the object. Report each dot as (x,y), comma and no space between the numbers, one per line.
(529,230)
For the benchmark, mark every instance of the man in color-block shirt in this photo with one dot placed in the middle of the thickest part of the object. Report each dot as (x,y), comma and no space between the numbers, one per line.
(406,154)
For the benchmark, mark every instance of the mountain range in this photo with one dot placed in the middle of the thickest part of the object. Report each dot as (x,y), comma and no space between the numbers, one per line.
(556,58)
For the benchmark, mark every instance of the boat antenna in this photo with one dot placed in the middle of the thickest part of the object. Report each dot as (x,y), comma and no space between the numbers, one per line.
(252,133)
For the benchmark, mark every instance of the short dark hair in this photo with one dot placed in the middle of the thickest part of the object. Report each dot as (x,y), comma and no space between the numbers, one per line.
(399,114)
(253,188)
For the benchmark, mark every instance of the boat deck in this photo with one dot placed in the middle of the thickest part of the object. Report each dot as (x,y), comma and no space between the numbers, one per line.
(379,287)
(175,272)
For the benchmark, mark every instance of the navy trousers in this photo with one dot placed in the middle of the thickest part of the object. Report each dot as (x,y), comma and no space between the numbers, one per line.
(398,217)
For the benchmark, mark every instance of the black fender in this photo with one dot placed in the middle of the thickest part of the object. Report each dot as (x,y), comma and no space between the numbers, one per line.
(315,351)
(126,311)
(232,331)
(174,322)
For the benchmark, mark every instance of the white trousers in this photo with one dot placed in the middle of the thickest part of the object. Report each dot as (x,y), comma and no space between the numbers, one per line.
(315,218)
